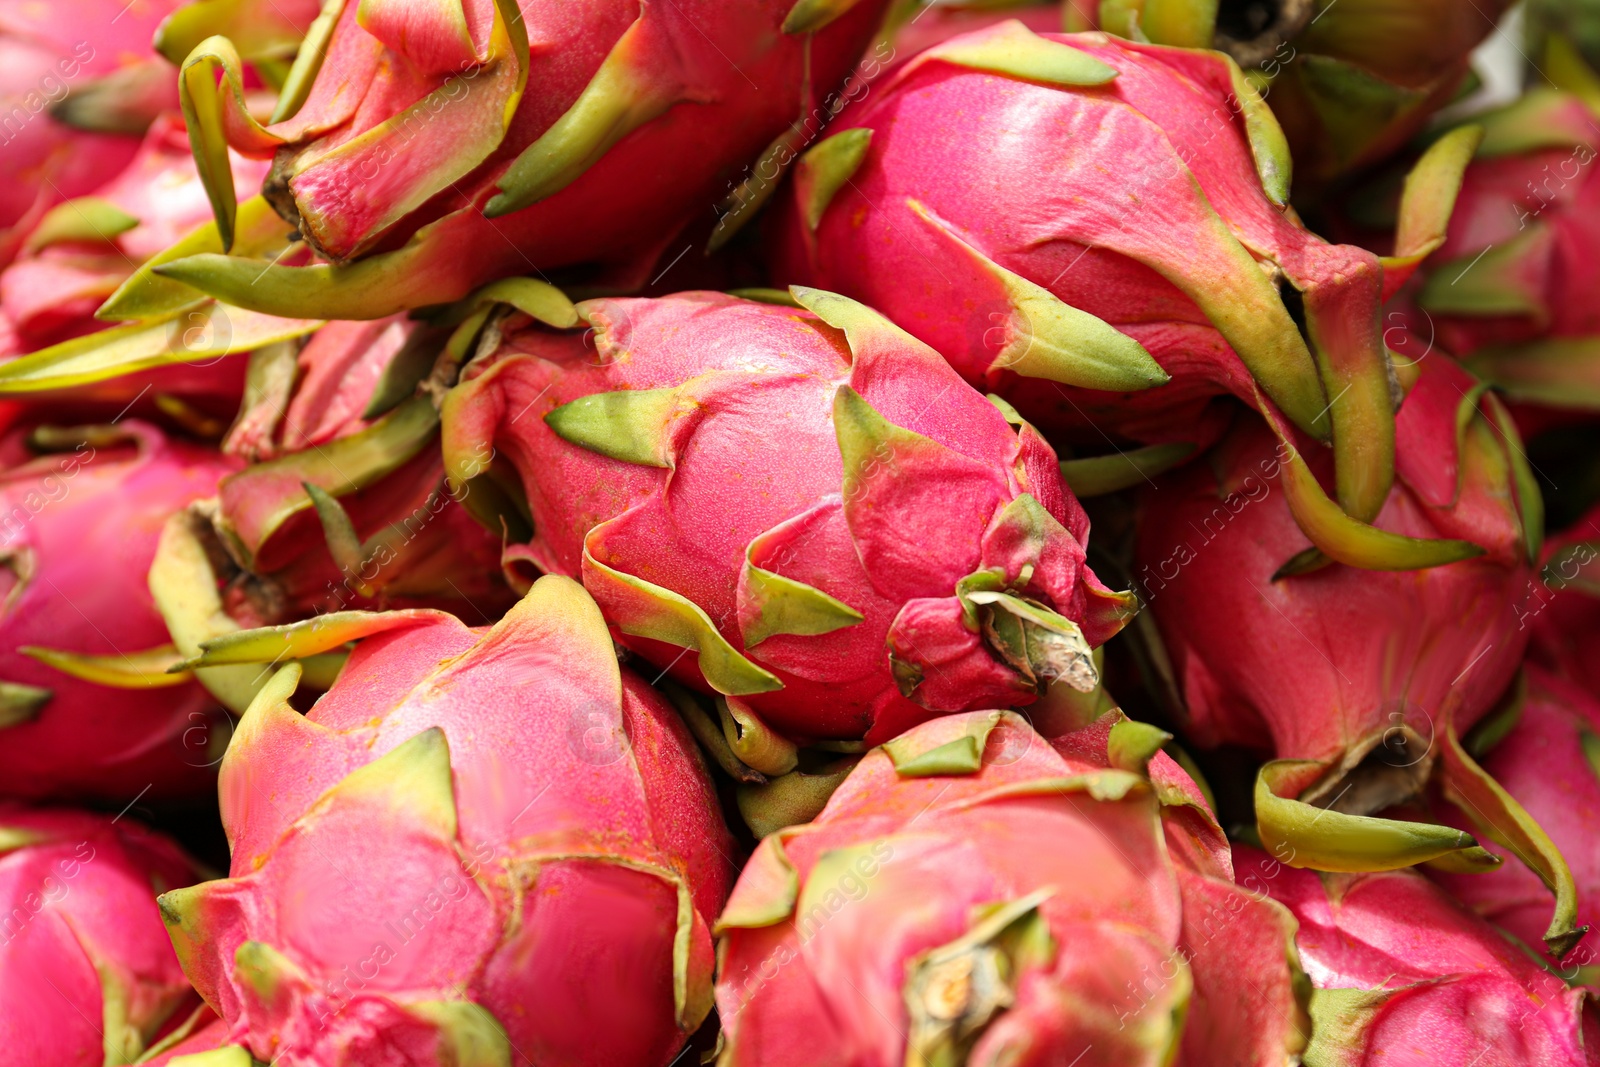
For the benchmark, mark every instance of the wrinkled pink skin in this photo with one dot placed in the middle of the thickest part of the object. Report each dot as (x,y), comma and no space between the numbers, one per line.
(48,50)
(1555,190)
(894,555)
(1322,665)
(80,528)
(1466,996)
(1038,179)
(742,73)
(556,767)
(51,295)
(1134,894)
(1543,765)
(82,894)
(447,559)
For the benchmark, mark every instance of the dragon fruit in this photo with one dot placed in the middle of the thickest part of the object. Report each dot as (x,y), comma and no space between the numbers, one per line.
(1350,83)
(1550,761)
(1406,977)
(480,846)
(1564,615)
(87,974)
(1510,289)
(344,505)
(81,251)
(803,511)
(992,197)
(82,512)
(1356,683)
(918,920)
(78,83)
(424,150)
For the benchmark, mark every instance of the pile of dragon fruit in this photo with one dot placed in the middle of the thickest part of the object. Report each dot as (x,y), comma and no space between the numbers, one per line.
(778,533)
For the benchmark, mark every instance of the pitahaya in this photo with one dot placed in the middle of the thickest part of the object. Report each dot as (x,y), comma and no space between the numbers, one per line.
(82,250)
(78,84)
(1548,758)
(423,150)
(344,505)
(480,846)
(971,895)
(1350,82)
(804,511)
(1405,977)
(87,975)
(1356,683)
(80,514)
(1564,614)
(1073,219)
(1511,289)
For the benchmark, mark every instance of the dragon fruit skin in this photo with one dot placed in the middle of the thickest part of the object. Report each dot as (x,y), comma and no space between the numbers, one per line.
(460,159)
(51,291)
(810,576)
(1547,762)
(1517,265)
(1355,684)
(79,530)
(84,949)
(85,61)
(1320,666)
(1564,615)
(982,214)
(1109,939)
(1406,977)
(472,825)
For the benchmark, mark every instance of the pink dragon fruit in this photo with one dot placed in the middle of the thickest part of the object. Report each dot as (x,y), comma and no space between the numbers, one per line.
(78,83)
(804,511)
(1356,683)
(81,251)
(80,514)
(344,505)
(87,975)
(432,148)
(994,197)
(1510,289)
(918,920)
(1350,83)
(1564,614)
(1550,761)
(480,846)
(1406,977)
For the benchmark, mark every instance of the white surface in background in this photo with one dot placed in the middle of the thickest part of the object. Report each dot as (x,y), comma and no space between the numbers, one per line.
(1500,62)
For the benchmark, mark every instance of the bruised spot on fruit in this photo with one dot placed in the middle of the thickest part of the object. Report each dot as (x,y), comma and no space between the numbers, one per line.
(1252,31)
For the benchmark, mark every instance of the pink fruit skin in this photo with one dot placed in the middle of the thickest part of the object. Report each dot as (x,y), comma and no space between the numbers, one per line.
(80,529)
(46,52)
(1463,995)
(78,919)
(1544,764)
(51,294)
(1563,616)
(443,558)
(1322,666)
(547,898)
(893,549)
(1133,911)
(1547,201)
(740,79)
(1037,179)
